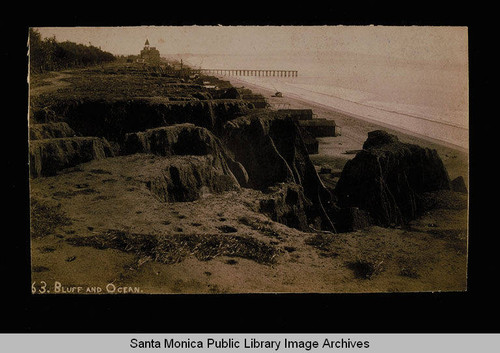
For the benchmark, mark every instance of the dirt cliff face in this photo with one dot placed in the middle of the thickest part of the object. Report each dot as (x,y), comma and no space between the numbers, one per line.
(49,156)
(179,139)
(114,118)
(50,130)
(250,142)
(185,140)
(115,124)
(287,204)
(196,162)
(388,179)
(272,151)
(187,178)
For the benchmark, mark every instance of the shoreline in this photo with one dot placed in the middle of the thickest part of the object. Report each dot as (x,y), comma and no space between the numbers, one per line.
(355,130)
(294,99)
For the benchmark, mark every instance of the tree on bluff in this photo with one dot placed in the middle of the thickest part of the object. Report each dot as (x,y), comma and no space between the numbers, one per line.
(49,55)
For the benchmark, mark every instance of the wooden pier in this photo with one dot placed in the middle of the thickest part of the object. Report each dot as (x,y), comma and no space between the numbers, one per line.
(169,70)
(240,72)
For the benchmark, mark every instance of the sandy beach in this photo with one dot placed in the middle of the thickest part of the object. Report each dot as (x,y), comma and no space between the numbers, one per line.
(332,150)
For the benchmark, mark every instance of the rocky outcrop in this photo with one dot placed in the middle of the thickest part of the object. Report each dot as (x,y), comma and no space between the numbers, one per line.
(49,156)
(250,142)
(350,219)
(184,140)
(50,130)
(378,139)
(231,93)
(203,96)
(187,178)
(319,127)
(286,204)
(458,185)
(296,114)
(40,113)
(312,144)
(257,100)
(388,178)
(179,139)
(271,150)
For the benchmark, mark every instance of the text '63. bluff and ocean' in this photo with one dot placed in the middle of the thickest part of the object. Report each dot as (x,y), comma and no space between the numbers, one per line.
(249,343)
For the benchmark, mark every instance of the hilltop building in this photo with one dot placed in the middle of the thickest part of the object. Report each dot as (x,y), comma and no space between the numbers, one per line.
(149,54)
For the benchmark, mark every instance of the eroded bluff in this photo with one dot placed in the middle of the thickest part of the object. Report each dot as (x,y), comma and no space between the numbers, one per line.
(388,179)
(66,132)
(212,146)
(260,151)
(273,153)
(48,156)
(113,118)
(196,162)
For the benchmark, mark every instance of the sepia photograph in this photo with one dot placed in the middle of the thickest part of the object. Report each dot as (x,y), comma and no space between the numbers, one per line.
(236,159)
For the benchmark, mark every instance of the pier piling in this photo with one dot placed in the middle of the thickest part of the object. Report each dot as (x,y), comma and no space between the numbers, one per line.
(241,72)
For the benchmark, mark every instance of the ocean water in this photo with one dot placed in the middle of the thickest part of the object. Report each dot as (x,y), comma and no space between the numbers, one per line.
(424,96)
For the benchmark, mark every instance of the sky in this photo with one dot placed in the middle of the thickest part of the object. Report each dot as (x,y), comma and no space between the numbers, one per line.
(425,42)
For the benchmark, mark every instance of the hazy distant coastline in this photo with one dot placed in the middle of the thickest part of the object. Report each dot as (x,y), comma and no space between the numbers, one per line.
(426,98)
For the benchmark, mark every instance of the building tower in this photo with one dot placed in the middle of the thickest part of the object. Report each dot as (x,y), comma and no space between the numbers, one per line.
(149,54)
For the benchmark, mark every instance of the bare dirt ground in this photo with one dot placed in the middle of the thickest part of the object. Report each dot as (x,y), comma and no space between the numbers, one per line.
(110,197)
